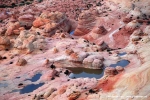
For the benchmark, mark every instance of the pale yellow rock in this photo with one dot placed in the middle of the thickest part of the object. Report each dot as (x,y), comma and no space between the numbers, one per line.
(49,92)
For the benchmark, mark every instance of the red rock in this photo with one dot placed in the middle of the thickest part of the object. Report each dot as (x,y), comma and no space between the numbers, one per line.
(69,51)
(26,20)
(86,19)
(38,22)
(11,27)
(74,96)
(21,28)
(106,14)
(26,17)
(4,41)
(100,30)
(16,31)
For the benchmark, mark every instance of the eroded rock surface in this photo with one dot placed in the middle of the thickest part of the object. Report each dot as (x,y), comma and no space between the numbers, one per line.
(40,39)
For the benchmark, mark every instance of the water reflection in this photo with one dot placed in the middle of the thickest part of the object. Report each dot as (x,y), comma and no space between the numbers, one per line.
(35,77)
(85,72)
(122,63)
(30,88)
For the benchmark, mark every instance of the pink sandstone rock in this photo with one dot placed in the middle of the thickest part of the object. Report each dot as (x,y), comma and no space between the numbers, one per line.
(102,29)
(110,71)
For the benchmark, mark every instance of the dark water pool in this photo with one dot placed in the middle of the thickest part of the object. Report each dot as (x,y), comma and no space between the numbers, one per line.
(30,88)
(3,85)
(122,63)
(93,73)
(71,33)
(122,54)
(85,72)
(35,77)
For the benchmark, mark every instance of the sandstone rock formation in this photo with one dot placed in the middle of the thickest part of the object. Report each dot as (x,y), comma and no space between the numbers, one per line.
(41,39)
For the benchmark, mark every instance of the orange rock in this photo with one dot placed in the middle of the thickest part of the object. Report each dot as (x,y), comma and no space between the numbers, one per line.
(55,50)
(46,62)
(62,35)
(49,27)
(12,26)
(9,30)
(69,51)
(74,96)
(62,89)
(74,56)
(4,41)
(16,31)
(38,22)
(21,28)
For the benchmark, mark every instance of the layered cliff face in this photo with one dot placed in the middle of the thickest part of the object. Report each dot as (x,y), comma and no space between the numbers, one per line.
(39,42)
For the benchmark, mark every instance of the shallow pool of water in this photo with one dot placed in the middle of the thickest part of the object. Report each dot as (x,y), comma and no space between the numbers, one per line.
(30,88)
(93,73)
(35,77)
(71,33)
(122,54)
(4,85)
(85,72)
(122,63)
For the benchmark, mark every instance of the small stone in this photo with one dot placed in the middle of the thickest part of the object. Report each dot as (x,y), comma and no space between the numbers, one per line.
(21,28)
(49,92)
(103,46)
(97,63)
(46,62)
(20,84)
(4,41)
(52,66)
(93,90)
(110,71)
(55,50)
(119,69)
(74,95)
(1,57)
(136,38)
(62,35)
(49,75)
(16,32)
(52,78)
(38,22)
(69,51)
(4,57)
(11,63)
(21,62)
(74,57)
(67,72)
(36,97)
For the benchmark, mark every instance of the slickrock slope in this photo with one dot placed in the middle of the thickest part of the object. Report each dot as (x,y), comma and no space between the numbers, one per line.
(40,41)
